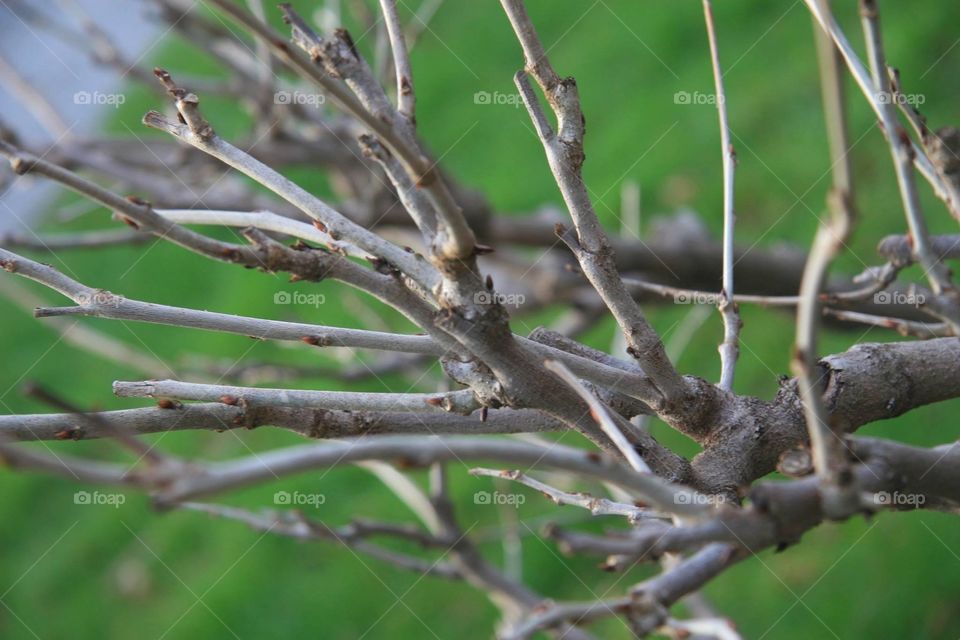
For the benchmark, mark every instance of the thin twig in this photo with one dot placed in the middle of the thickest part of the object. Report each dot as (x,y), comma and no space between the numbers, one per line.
(863,79)
(564,150)
(459,402)
(601,414)
(730,347)
(829,454)
(902,151)
(406,100)
(596,506)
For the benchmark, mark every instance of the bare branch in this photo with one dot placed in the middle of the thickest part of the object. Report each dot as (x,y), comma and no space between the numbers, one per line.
(219,477)
(462,402)
(459,241)
(903,327)
(294,524)
(730,347)
(229,413)
(602,415)
(103,304)
(863,79)
(401,60)
(829,458)
(564,151)
(902,151)
(596,506)
(198,133)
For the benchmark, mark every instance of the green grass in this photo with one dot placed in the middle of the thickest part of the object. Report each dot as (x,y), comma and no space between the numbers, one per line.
(85,571)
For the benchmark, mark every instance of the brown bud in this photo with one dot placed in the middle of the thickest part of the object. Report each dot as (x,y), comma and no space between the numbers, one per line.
(129,222)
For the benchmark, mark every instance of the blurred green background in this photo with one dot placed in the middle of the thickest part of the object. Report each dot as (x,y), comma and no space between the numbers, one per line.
(101,572)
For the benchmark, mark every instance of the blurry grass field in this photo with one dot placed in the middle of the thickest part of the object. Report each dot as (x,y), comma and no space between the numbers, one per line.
(101,572)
